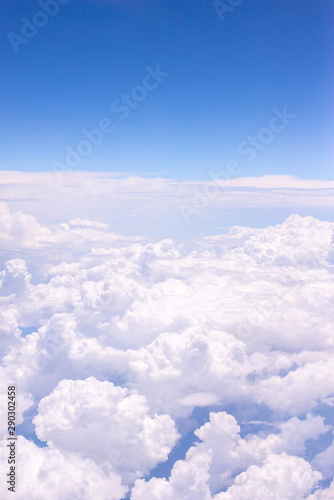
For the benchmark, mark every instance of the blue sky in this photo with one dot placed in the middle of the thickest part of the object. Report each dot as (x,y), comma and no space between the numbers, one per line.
(225,79)
(168,97)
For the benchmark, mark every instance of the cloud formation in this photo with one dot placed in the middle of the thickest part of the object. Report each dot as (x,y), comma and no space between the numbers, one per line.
(215,464)
(105,423)
(123,348)
(48,473)
(164,207)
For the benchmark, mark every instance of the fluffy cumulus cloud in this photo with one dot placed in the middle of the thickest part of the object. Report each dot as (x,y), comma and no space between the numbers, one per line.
(323,494)
(217,461)
(215,355)
(23,403)
(48,473)
(279,477)
(106,423)
(188,481)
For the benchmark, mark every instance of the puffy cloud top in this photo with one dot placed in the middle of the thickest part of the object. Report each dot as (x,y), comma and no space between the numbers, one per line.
(122,349)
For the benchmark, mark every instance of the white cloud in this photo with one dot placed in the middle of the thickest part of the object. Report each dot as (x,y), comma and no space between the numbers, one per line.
(135,205)
(241,322)
(280,476)
(215,464)
(47,473)
(188,481)
(323,494)
(324,462)
(105,423)
(179,369)
(23,401)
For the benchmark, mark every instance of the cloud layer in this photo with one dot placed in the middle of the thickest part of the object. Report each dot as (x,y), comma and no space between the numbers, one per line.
(165,207)
(126,350)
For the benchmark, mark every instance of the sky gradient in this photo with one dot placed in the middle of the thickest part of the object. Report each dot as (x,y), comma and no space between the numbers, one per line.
(167,249)
(225,79)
